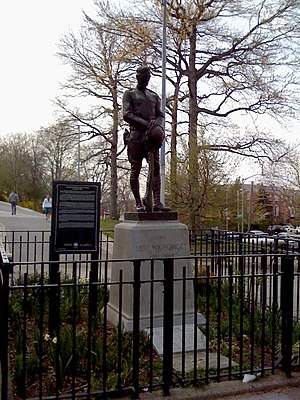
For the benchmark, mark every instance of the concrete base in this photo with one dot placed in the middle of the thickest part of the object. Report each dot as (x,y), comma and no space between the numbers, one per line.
(214,360)
(180,343)
(150,239)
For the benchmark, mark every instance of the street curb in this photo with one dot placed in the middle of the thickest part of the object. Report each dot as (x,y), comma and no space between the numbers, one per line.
(223,390)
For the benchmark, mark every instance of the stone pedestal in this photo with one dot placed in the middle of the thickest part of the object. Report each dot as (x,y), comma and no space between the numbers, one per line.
(151,236)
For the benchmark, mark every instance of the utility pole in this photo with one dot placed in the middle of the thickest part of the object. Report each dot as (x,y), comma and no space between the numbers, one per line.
(250,206)
(78,152)
(250,199)
(163,103)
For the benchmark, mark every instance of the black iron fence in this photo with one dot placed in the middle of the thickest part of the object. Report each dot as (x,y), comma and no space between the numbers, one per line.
(238,314)
(28,248)
(34,245)
(211,241)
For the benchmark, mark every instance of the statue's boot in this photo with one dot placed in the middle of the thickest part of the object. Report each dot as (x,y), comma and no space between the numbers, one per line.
(158,205)
(140,208)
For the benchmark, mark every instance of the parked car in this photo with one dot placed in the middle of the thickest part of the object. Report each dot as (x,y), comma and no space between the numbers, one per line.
(282,235)
(288,240)
(275,229)
(230,235)
(288,235)
(294,231)
(257,233)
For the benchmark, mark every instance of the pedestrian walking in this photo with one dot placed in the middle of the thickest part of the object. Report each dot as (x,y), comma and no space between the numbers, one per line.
(14,200)
(47,207)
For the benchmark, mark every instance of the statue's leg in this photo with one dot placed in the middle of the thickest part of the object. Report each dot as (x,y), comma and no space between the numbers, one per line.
(136,165)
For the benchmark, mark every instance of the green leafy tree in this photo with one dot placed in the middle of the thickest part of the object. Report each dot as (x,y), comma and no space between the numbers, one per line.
(212,196)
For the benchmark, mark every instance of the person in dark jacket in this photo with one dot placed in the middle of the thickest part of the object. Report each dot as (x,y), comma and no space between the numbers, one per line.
(13,200)
(142,111)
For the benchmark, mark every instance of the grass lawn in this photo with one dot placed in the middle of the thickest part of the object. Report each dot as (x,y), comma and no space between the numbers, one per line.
(108,224)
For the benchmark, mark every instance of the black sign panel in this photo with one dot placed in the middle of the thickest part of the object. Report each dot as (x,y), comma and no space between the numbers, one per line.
(76,217)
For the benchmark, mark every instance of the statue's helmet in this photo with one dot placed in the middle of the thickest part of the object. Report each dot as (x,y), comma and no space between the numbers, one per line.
(143,69)
(156,136)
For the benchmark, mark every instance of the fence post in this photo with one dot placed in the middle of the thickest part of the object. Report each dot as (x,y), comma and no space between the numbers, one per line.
(136,328)
(4,296)
(242,252)
(168,325)
(287,299)
(53,293)
(95,278)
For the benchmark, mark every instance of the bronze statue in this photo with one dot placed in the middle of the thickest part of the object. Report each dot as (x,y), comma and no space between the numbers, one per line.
(142,111)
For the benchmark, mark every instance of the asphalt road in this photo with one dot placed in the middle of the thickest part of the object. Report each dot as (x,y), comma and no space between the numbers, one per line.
(24,220)
(26,238)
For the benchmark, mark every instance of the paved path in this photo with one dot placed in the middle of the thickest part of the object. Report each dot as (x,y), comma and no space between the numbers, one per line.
(24,220)
(30,241)
(25,234)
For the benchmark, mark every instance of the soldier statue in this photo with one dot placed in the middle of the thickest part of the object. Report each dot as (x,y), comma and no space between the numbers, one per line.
(142,111)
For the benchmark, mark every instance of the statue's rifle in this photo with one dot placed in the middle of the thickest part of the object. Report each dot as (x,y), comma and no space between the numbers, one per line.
(147,201)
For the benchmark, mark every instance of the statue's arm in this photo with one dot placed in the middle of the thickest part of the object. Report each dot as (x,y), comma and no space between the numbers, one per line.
(129,116)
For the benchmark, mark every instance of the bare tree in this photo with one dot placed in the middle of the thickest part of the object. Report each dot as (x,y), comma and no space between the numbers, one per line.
(37,171)
(58,145)
(224,58)
(14,163)
(99,75)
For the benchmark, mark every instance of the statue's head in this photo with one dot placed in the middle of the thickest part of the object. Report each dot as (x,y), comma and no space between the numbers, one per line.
(143,74)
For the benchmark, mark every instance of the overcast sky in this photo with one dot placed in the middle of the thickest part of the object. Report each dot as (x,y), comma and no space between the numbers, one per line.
(30,72)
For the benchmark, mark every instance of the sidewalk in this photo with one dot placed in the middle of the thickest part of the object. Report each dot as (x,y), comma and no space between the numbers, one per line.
(273,387)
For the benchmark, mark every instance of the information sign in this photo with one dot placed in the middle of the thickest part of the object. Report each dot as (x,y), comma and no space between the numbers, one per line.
(75,217)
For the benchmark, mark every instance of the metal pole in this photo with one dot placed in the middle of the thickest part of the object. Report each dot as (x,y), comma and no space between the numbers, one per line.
(242,205)
(238,209)
(243,189)
(163,103)
(250,206)
(78,153)
(227,208)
